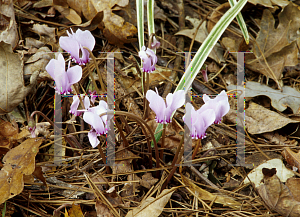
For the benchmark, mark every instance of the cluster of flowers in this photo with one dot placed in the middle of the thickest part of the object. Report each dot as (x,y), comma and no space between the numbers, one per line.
(74,43)
(211,112)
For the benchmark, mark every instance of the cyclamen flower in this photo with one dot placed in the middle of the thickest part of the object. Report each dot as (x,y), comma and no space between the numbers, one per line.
(75,104)
(157,104)
(93,95)
(74,43)
(149,59)
(99,124)
(219,104)
(155,44)
(200,120)
(63,80)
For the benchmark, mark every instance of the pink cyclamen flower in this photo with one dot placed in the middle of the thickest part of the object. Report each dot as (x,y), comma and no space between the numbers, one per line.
(93,95)
(155,44)
(63,80)
(204,73)
(220,105)
(200,120)
(74,43)
(99,124)
(149,59)
(157,104)
(75,104)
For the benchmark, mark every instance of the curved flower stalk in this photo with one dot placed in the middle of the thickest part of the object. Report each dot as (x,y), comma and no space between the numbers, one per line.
(63,79)
(149,59)
(219,104)
(74,43)
(200,121)
(164,110)
(155,43)
(75,104)
(99,124)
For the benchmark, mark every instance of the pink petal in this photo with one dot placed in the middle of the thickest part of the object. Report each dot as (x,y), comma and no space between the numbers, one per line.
(155,44)
(174,101)
(71,45)
(205,119)
(74,74)
(157,104)
(74,106)
(95,121)
(85,39)
(86,102)
(93,139)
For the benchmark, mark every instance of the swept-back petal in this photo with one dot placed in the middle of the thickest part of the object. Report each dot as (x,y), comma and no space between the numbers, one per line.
(86,102)
(85,38)
(74,74)
(95,121)
(157,104)
(174,101)
(205,119)
(75,104)
(71,45)
(93,138)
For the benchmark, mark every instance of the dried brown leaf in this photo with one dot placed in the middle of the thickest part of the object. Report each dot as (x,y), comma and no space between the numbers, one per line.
(152,206)
(18,161)
(294,185)
(261,120)
(277,195)
(8,27)
(116,30)
(12,87)
(291,157)
(102,210)
(75,211)
(277,46)
(69,13)
(205,195)
(148,180)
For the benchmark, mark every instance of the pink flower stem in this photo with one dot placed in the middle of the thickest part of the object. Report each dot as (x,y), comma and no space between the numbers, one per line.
(143,124)
(103,87)
(54,126)
(92,77)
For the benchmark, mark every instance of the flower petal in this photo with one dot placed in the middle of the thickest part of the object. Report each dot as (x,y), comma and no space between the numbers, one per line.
(74,74)
(157,104)
(74,106)
(71,45)
(95,121)
(86,102)
(205,119)
(85,38)
(174,101)
(93,138)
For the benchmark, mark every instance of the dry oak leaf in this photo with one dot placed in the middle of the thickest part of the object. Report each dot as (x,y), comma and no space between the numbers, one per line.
(116,30)
(205,195)
(12,89)
(280,100)
(293,184)
(152,206)
(8,27)
(274,48)
(291,157)
(277,195)
(202,33)
(75,211)
(108,4)
(102,210)
(18,161)
(261,120)
(148,180)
